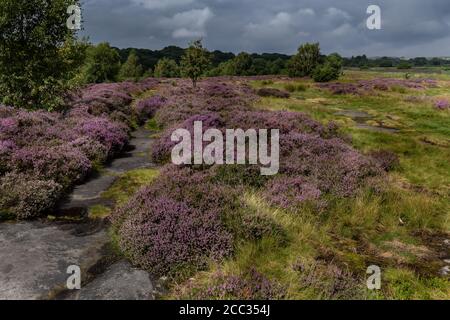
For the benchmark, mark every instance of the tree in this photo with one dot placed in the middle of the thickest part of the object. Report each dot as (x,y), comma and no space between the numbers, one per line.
(131,69)
(102,64)
(330,70)
(305,61)
(39,54)
(195,61)
(242,64)
(167,68)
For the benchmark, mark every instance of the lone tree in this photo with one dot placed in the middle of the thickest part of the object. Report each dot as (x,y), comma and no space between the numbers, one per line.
(131,69)
(195,61)
(305,61)
(39,53)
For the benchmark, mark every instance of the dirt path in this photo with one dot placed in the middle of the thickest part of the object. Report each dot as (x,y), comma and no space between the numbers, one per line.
(34,256)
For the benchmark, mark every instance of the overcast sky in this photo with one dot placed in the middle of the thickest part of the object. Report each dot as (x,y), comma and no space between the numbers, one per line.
(409,27)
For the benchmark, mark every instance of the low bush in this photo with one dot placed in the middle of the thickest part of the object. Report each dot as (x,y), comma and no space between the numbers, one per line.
(291,87)
(164,236)
(387,160)
(249,285)
(24,196)
(271,92)
(62,148)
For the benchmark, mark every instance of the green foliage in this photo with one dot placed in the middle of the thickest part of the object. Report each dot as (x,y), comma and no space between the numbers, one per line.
(38,53)
(167,68)
(404,65)
(242,64)
(305,61)
(195,61)
(131,69)
(330,70)
(102,64)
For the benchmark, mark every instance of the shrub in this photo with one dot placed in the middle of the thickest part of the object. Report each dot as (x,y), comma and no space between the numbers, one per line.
(255,226)
(27,196)
(386,159)
(250,285)
(442,104)
(290,87)
(271,92)
(330,70)
(147,108)
(112,135)
(63,164)
(164,236)
(291,192)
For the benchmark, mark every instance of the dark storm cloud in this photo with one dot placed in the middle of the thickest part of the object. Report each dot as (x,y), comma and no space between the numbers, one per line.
(409,27)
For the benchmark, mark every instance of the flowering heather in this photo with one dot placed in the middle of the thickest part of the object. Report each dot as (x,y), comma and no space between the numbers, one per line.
(339,88)
(271,92)
(387,160)
(112,135)
(289,192)
(163,235)
(314,161)
(62,163)
(162,148)
(60,148)
(184,102)
(331,164)
(27,196)
(379,84)
(147,108)
(251,285)
(442,104)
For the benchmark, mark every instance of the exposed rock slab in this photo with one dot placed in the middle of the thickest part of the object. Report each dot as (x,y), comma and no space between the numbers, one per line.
(34,257)
(119,282)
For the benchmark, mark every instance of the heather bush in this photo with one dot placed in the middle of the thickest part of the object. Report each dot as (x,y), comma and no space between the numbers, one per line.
(329,281)
(250,285)
(331,164)
(92,149)
(256,226)
(26,196)
(291,192)
(387,160)
(112,135)
(147,108)
(162,148)
(62,148)
(271,92)
(165,236)
(64,164)
(442,104)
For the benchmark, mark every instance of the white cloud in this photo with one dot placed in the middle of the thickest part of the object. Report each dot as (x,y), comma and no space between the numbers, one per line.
(276,26)
(189,24)
(186,33)
(162,4)
(337,13)
(307,12)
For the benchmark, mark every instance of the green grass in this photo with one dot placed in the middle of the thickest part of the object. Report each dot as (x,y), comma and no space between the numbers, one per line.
(128,184)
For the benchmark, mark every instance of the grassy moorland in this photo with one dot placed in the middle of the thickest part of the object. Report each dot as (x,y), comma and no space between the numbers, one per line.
(317,249)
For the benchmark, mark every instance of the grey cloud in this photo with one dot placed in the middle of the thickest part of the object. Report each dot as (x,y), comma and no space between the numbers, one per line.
(409,27)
